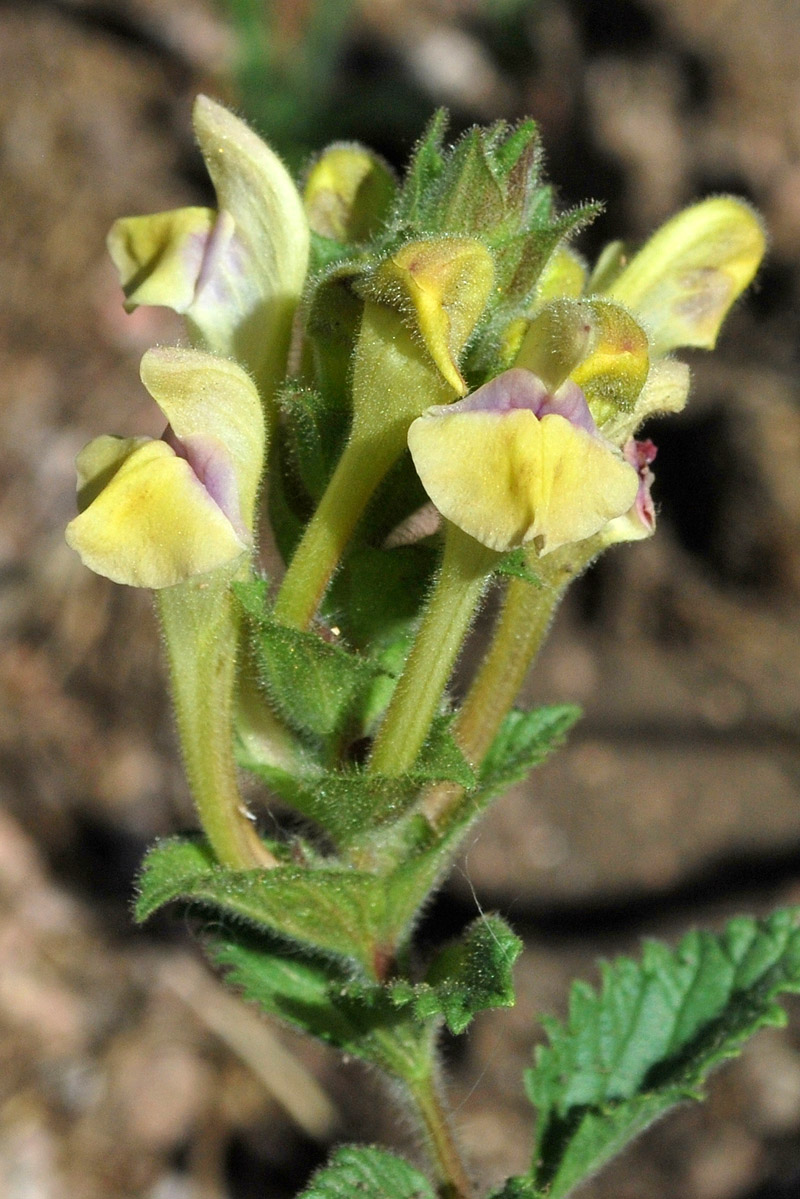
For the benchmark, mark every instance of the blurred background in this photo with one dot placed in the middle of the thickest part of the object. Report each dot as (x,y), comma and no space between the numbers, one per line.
(125,1071)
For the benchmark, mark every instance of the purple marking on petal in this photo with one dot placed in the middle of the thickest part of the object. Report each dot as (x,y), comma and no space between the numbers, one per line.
(518,388)
(193,253)
(214,470)
(220,244)
(640,454)
(569,402)
(515,388)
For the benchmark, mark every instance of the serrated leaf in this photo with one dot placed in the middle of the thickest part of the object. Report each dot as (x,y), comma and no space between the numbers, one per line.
(650,1037)
(312,994)
(314,685)
(333,911)
(368,1173)
(467,977)
(322,998)
(344,803)
(524,740)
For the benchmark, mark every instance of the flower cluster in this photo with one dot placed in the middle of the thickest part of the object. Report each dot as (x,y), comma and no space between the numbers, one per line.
(537,455)
(342,327)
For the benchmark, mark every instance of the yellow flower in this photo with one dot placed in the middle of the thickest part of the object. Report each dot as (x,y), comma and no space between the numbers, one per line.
(236,273)
(514,464)
(534,456)
(154,513)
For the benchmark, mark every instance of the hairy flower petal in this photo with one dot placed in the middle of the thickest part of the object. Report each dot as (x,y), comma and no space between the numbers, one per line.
(152,523)
(236,274)
(508,476)
(683,281)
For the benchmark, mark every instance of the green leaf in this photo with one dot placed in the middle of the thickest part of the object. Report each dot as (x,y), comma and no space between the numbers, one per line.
(380,592)
(423,171)
(344,803)
(370,1020)
(348,803)
(473,197)
(441,760)
(649,1038)
(367,1173)
(525,739)
(469,976)
(314,685)
(312,435)
(334,315)
(309,992)
(333,911)
(516,1188)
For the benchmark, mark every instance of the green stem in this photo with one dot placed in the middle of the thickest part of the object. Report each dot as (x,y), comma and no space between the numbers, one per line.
(453,1180)
(518,636)
(445,621)
(360,469)
(407,1052)
(394,379)
(201,631)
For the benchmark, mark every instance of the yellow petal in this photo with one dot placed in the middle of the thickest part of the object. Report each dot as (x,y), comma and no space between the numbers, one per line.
(236,274)
(153,524)
(507,479)
(348,193)
(613,373)
(99,461)
(666,390)
(440,286)
(261,279)
(202,395)
(564,275)
(160,257)
(611,262)
(685,278)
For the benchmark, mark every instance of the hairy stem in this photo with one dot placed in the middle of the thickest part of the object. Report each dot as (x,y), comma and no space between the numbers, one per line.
(363,464)
(518,636)
(394,379)
(445,621)
(201,630)
(453,1182)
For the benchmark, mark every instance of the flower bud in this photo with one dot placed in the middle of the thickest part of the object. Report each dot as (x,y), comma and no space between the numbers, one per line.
(348,193)
(595,343)
(440,287)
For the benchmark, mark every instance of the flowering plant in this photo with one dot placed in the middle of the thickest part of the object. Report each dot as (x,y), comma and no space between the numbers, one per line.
(426,392)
